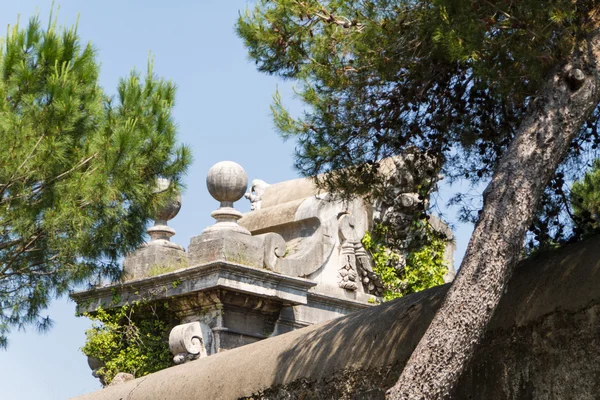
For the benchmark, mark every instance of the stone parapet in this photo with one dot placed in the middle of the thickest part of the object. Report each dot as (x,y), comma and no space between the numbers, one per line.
(542,343)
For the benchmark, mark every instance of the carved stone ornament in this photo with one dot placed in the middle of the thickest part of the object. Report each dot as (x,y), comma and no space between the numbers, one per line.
(371,282)
(227,182)
(347,273)
(161,232)
(356,260)
(190,341)
(256,192)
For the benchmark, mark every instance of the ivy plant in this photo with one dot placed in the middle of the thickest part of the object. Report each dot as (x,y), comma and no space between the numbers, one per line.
(132,339)
(422,268)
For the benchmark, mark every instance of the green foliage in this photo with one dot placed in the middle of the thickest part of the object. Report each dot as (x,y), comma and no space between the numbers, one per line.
(424,267)
(132,339)
(449,78)
(585,200)
(582,205)
(76,167)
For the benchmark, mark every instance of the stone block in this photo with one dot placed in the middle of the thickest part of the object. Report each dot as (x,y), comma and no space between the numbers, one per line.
(227,246)
(154,258)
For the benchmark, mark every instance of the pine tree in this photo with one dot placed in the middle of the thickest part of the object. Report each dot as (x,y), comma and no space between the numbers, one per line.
(487,89)
(585,200)
(77,167)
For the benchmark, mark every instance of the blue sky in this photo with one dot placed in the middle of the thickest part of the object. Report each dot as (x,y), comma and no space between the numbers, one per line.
(222,110)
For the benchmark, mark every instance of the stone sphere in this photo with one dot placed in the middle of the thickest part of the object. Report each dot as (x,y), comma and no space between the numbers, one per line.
(227,181)
(173,205)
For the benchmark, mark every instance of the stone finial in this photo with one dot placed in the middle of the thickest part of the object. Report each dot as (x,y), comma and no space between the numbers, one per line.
(227,182)
(161,230)
(159,251)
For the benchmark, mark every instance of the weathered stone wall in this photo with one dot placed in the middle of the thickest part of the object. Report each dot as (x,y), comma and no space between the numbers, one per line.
(556,358)
(543,343)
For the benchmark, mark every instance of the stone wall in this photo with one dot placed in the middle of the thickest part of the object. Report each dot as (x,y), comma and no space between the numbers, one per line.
(543,343)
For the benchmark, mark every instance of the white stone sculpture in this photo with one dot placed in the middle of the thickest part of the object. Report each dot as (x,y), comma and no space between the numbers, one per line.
(310,224)
(190,341)
(256,192)
(297,259)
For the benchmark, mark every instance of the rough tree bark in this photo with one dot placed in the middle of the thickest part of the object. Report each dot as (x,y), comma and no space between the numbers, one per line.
(564,103)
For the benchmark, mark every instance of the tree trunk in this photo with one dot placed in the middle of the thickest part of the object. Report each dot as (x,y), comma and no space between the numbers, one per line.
(555,116)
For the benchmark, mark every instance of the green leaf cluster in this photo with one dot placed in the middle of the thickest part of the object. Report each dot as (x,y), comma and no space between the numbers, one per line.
(131,339)
(77,167)
(585,200)
(422,269)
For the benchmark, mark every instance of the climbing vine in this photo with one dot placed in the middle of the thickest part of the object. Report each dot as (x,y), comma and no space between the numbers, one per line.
(131,339)
(420,269)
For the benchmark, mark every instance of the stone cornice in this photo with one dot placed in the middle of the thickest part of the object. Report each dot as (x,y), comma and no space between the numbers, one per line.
(214,275)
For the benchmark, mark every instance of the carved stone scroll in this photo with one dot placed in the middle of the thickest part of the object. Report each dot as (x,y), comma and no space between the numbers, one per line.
(190,341)
(275,248)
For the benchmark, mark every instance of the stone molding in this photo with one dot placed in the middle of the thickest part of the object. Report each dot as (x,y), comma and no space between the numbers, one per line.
(214,275)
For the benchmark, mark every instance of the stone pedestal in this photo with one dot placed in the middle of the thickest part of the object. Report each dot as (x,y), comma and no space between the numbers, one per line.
(159,255)
(154,258)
